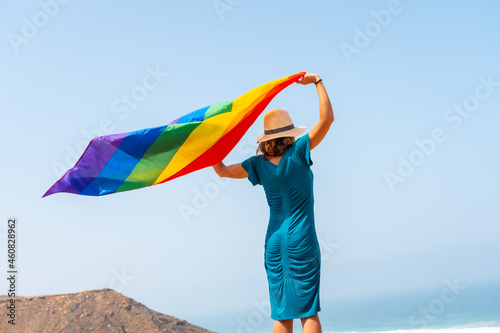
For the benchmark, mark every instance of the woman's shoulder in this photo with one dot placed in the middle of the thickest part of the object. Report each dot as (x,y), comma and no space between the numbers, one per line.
(252,166)
(301,143)
(301,150)
(254,160)
(302,140)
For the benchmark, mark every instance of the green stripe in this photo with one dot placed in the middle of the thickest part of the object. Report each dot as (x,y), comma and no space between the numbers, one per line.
(218,108)
(158,156)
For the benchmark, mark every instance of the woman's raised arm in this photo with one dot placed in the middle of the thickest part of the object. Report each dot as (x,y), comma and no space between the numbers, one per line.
(318,132)
(230,171)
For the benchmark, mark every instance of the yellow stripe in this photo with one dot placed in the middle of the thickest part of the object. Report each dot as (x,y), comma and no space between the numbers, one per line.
(247,102)
(199,141)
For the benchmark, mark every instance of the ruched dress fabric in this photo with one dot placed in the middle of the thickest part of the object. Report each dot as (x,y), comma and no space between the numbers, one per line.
(292,254)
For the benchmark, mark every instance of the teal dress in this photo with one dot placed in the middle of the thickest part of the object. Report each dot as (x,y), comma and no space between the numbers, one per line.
(292,254)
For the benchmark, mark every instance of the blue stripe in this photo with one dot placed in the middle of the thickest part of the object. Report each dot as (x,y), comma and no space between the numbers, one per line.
(123,161)
(198,115)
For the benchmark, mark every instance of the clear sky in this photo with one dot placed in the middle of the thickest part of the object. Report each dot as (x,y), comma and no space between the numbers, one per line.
(406,182)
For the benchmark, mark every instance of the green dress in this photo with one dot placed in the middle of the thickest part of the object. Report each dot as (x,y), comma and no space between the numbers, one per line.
(292,254)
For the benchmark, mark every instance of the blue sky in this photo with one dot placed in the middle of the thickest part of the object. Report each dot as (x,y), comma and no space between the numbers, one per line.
(406,182)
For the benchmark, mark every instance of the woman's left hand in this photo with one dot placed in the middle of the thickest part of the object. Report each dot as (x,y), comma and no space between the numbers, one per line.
(308,78)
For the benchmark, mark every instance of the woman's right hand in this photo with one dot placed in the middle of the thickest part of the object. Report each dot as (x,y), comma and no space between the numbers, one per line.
(309,78)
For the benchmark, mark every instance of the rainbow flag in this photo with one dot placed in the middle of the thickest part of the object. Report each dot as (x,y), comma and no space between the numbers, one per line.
(128,161)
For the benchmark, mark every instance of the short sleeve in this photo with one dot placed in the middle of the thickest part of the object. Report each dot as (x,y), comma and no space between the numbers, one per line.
(303,150)
(250,167)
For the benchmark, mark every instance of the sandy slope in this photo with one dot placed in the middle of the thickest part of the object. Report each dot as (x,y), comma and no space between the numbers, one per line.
(103,310)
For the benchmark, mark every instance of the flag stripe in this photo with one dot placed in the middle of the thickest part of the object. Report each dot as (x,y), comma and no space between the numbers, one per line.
(158,156)
(194,116)
(218,108)
(123,161)
(90,164)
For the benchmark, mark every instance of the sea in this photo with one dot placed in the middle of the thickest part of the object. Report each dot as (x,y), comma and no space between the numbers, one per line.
(453,307)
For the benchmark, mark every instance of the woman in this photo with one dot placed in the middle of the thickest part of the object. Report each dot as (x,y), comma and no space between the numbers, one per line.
(292,255)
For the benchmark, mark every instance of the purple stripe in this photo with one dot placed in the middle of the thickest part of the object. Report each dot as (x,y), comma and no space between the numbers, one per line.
(90,164)
(100,150)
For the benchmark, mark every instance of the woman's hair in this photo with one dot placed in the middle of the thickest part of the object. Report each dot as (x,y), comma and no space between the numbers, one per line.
(275,147)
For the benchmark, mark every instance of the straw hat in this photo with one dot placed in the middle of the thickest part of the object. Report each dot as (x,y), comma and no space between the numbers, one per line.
(278,124)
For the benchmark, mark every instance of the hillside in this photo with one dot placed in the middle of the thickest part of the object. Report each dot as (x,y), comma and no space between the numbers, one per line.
(103,310)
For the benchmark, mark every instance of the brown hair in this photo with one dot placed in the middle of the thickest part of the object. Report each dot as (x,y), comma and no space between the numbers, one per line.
(275,147)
